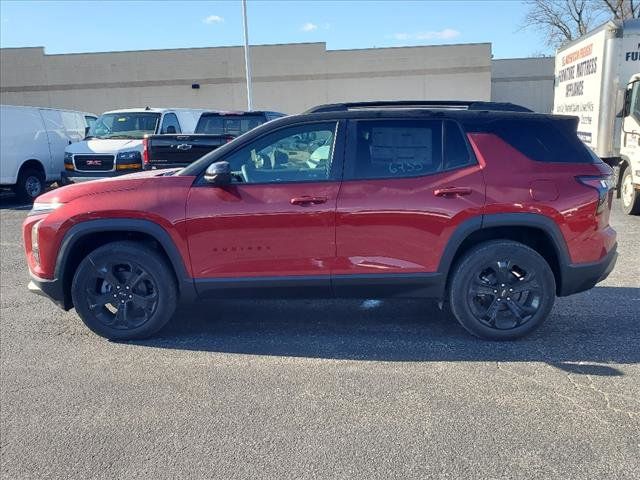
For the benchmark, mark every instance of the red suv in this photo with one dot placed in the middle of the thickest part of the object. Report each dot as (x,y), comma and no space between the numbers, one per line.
(492,210)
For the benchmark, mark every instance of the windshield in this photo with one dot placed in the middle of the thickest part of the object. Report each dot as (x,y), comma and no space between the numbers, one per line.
(228,124)
(125,125)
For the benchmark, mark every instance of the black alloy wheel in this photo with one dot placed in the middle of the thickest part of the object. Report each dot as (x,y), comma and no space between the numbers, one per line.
(124,290)
(501,290)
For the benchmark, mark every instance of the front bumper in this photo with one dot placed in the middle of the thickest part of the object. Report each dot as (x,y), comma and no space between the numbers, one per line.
(52,289)
(580,277)
(73,176)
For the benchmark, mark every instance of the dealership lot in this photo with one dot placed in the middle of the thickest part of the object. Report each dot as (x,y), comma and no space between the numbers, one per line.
(335,389)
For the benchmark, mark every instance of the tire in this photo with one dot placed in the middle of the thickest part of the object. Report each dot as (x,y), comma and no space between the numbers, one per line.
(487,294)
(124,291)
(629,195)
(31,184)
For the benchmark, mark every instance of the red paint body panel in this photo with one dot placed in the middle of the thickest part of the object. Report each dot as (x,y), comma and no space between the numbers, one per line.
(400,225)
(255,230)
(510,176)
(160,200)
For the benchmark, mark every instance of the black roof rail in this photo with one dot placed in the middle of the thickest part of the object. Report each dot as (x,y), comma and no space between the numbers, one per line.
(417,104)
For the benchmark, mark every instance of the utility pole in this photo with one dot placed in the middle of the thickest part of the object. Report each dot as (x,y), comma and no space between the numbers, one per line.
(247,57)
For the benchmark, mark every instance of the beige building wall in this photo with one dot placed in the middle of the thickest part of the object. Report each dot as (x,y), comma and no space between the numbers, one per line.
(525,81)
(288,78)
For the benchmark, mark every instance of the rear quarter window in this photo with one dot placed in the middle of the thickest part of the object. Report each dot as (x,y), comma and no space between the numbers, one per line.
(540,140)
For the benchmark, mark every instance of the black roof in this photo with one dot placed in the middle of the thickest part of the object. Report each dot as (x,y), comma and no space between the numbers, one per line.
(420,104)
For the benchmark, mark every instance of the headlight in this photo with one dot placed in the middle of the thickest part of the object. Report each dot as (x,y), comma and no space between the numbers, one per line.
(132,156)
(39,208)
(35,247)
(68,157)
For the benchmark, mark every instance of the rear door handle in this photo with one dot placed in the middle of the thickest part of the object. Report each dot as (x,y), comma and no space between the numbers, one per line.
(308,200)
(452,191)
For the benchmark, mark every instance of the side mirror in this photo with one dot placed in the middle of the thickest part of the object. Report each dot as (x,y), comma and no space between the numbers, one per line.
(218,173)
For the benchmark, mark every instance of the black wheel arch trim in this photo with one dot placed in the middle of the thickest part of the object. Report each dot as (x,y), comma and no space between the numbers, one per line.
(158,233)
(524,219)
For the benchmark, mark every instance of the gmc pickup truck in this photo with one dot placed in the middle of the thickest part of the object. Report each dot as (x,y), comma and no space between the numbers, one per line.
(213,130)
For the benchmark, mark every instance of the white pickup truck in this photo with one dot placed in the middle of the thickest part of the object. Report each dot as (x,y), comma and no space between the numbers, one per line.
(114,144)
(597,78)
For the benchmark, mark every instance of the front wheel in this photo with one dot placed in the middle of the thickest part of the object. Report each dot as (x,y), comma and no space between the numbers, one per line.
(124,291)
(629,195)
(30,184)
(501,290)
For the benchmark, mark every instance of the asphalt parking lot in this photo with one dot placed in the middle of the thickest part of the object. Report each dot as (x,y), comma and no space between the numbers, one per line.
(321,389)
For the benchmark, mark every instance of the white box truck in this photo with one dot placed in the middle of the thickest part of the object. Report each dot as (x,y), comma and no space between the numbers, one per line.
(597,78)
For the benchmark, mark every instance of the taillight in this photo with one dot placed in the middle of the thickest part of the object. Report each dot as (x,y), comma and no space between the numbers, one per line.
(603,184)
(145,152)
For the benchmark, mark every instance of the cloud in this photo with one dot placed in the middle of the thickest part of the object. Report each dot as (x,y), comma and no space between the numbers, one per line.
(446,34)
(211,19)
(309,27)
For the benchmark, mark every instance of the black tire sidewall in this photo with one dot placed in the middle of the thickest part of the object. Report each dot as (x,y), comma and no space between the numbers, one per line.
(469,266)
(157,269)
(634,207)
(21,187)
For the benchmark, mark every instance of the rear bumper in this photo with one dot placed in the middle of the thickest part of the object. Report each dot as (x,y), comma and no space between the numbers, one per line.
(580,277)
(52,289)
(77,177)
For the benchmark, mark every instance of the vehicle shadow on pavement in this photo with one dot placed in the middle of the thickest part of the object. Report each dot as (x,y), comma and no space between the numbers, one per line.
(584,333)
(8,201)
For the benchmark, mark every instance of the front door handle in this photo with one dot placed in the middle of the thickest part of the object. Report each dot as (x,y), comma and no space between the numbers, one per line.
(308,200)
(452,191)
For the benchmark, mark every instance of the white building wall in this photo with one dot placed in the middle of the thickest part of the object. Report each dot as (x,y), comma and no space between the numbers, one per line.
(288,78)
(525,81)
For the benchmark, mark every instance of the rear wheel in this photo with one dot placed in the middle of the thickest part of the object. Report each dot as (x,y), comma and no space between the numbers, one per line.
(629,195)
(124,291)
(501,290)
(30,184)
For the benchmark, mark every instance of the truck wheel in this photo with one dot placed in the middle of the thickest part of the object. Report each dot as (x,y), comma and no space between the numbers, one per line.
(30,184)
(501,290)
(629,195)
(124,291)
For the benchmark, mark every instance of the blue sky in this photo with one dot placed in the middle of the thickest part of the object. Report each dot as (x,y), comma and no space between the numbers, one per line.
(85,26)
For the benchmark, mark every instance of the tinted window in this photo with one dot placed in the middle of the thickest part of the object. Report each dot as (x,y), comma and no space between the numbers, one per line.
(397,148)
(541,139)
(294,154)
(125,125)
(456,152)
(90,121)
(635,99)
(228,124)
(170,124)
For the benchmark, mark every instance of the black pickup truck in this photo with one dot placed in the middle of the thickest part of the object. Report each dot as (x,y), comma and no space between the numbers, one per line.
(213,130)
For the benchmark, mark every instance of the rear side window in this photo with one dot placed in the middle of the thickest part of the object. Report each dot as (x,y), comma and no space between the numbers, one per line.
(456,151)
(229,124)
(170,124)
(540,140)
(396,148)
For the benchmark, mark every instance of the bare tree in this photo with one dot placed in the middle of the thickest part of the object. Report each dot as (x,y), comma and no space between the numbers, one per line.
(564,20)
(621,9)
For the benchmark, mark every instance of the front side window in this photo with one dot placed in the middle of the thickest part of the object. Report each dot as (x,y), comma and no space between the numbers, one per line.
(301,153)
(396,148)
(125,125)
(635,99)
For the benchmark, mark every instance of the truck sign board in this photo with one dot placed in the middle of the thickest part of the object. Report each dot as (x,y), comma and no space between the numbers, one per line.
(578,81)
